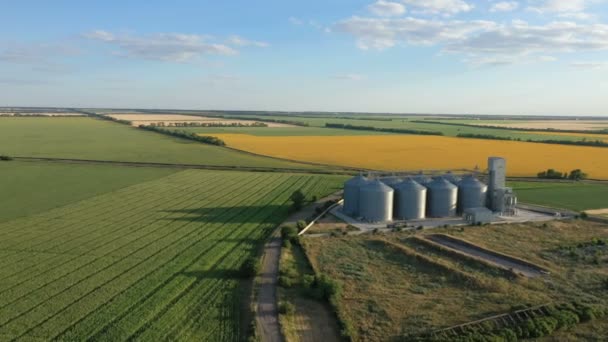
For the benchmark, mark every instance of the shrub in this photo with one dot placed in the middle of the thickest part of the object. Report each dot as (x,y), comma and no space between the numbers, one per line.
(288,232)
(566,319)
(287,243)
(286,282)
(298,198)
(286,308)
(250,268)
(301,224)
(5,158)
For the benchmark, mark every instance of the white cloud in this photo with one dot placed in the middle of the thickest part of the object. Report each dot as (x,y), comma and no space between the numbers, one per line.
(349,77)
(589,65)
(520,38)
(485,41)
(577,15)
(504,6)
(375,33)
(296,21)
(501,60)
(574,9)
(239,41)
(172,47)
(386,8)
(445,7)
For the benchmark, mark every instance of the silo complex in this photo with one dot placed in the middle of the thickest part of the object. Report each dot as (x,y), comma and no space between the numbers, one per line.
(452,178)
(376,202)
(442,198)
(392,181)
(471,194)
(410,200)
(351,195)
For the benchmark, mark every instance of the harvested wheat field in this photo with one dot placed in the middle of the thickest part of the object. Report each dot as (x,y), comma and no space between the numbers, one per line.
(411,152)
(147,119)
(581,125)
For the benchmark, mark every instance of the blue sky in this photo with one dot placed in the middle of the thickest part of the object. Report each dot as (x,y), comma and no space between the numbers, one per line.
(403,56)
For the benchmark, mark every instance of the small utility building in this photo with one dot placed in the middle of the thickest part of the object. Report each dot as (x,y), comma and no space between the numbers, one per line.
(478,215)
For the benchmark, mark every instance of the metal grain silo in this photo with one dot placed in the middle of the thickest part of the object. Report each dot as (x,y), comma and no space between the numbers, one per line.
(452,178)
(392,181)
(351,195)
(376,202)
(442,197)
(410,200)
(422,179)
(471,194)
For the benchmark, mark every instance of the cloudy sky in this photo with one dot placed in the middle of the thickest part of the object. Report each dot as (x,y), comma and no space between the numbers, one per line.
(416,56)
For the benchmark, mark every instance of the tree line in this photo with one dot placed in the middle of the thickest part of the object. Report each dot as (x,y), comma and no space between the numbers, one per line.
(378,129)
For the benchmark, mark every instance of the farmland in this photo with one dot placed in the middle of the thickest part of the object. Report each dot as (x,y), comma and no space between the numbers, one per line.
(155,260)
(171,119)
(29,188)
(86,138)
(408,152)
(573,196)
(392,285)
(416,123)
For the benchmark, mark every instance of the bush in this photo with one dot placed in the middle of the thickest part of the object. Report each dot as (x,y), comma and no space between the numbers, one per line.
(288,232)
(298,198)
(5,158)
(286,243)
(301,224)
(286,282)
(250,268)
(286,308)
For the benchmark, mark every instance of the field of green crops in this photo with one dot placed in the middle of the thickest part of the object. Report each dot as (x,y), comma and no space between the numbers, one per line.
(157,260)
(87,138)
(573,196)
(29,188)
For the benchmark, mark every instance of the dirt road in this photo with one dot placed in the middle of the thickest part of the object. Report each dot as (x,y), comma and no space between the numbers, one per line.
(314,318)
(267,317)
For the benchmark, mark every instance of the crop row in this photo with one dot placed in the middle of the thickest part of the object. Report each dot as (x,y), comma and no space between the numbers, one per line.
(155,260)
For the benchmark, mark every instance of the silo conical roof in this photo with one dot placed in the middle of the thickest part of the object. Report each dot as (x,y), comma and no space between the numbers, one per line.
(410,184)
(356,181)
(441,183)
(378,186)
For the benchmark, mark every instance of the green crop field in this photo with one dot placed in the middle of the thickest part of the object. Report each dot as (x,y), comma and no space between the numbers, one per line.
(87,138)
(154,261)
(573,196)
(32,187)
(277,131)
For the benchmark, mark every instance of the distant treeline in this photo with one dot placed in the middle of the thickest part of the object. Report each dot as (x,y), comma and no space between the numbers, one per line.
(185,135)
(552,130)
(287,122)
(378,129)
(174,133)
(206,124)
(105,117)
(36,115)
(592,143)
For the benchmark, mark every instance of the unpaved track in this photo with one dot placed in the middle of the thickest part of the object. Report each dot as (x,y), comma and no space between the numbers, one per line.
(267,313)
(479,252)
(314,319)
